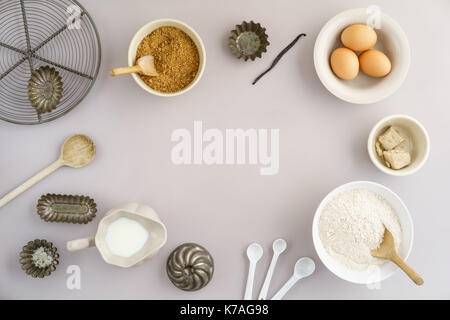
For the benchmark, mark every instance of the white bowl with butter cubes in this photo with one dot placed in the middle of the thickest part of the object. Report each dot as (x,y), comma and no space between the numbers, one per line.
(399,145)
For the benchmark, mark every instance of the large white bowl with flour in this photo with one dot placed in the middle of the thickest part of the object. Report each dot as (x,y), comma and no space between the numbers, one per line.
(372,275)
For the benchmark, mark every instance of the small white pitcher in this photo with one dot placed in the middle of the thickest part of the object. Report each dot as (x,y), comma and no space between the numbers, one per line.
(143,214)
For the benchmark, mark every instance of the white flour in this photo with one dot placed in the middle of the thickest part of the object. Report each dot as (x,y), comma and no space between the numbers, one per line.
(353,223)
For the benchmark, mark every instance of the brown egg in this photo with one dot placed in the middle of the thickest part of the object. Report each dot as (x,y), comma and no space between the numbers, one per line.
(374,63)
(359,37)
(344,63)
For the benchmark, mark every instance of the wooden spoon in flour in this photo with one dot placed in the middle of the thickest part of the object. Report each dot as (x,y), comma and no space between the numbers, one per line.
(144,65)
(387,251)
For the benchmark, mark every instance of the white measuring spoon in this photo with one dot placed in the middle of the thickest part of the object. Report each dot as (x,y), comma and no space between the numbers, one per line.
(303,268)
(279,246)
(254,253)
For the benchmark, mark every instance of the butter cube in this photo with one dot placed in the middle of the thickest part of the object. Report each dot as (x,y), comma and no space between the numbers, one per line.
(397,158)
(390,139)
(379,149)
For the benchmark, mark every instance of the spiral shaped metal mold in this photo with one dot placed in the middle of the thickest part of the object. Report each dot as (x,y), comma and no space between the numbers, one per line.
(45,89)
(66,208)
(39,258)
(38,33)
(248,41)
(190,267)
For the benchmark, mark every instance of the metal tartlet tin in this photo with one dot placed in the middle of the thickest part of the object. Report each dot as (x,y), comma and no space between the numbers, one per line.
(248,40)
(66,208)
(45,89)
(190,267)
(39,258)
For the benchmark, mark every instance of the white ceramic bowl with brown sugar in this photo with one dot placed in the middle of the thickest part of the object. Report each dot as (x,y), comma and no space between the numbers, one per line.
(413,131)
(149,28)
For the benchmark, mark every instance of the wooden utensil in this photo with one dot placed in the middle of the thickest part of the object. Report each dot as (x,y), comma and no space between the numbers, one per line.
(387,251)
(76,152)
(144,65)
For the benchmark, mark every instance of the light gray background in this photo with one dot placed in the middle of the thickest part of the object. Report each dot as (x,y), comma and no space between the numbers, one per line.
(224,208)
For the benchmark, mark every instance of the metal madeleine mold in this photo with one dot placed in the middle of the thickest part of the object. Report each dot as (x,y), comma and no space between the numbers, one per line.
(190,267)
(66,208)
(45,89)
(39,258)
(248,40)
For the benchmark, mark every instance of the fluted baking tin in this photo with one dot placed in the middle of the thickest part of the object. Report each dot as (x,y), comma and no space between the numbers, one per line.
(45,89)
(248,40)
(190,267)
(66,208)
(39,258)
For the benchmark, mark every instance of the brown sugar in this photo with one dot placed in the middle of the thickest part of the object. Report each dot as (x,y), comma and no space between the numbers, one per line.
(176,59)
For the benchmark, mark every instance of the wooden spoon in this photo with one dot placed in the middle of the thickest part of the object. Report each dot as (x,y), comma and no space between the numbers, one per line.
(387,251)
(144,65)
(76,152)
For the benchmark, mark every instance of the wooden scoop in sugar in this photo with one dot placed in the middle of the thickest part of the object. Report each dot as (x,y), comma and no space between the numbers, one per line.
(144,65)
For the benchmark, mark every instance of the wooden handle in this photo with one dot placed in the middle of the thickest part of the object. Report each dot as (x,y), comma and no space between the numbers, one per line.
(408,270)
(80,244)
(30,182)
(125,70)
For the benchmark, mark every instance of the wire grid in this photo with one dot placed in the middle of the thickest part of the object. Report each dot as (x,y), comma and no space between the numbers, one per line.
(35,33)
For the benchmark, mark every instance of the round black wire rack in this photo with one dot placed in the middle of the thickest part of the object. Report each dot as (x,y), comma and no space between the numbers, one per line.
(36,33)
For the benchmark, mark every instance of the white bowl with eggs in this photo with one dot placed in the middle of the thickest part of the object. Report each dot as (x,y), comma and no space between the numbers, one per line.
(381,272)
(417,138)
(391,40)
(149,28)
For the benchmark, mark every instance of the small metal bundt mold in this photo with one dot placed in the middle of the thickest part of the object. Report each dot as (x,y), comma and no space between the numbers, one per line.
(39,258)
(190,267)
(45,89)
(66,208)
(248,40)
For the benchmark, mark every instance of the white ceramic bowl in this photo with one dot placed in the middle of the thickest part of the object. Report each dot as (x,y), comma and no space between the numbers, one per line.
(143,214)
(149,28)
(417,138)
(384,271)
(363,89)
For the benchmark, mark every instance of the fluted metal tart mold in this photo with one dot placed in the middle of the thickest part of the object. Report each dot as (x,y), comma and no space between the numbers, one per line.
(248,40)
(29,262)
(190,267)
(66,208)
(45,89)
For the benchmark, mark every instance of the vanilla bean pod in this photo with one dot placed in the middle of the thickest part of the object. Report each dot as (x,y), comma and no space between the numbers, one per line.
(278,58)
